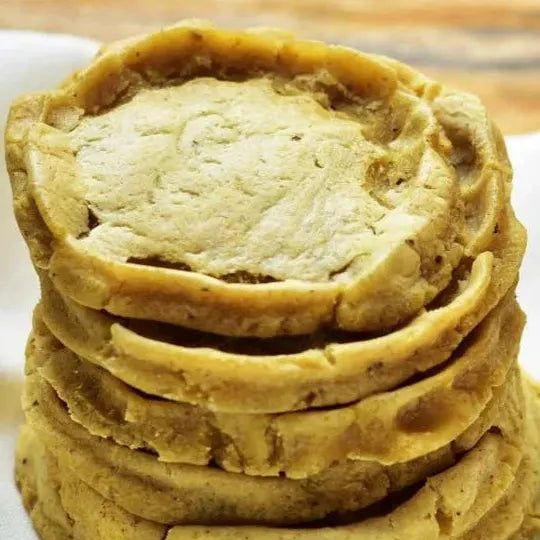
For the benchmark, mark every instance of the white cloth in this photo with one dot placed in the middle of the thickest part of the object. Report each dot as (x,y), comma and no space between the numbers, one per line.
(29,61)
(32,61)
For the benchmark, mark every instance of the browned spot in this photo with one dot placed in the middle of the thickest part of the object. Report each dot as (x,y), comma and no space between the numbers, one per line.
(444,521)
(351,437)
(374,368)
(159,263)
(472,379)
(425,413)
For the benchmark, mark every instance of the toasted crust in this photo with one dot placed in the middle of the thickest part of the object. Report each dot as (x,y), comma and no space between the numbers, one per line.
(62,507)
(392,427)
(211,373)
(448,507)
(452,203)
(489,490)
(212,496)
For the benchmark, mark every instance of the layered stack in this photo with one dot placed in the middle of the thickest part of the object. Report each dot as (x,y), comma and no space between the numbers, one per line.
(277,299)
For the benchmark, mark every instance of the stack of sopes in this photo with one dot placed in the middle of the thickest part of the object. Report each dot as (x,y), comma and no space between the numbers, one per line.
(277,299)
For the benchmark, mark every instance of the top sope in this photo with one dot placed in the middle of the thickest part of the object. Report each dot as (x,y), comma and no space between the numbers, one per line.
(251,184)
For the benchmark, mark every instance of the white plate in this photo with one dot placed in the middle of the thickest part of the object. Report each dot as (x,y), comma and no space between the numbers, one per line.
(33,61)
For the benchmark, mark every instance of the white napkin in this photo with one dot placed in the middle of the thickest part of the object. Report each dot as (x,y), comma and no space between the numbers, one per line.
(32,61)
(29,61)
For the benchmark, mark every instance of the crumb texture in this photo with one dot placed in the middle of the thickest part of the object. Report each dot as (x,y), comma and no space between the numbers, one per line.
(254,176)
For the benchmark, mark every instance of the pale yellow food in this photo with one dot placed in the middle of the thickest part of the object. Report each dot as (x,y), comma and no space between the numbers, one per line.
(39,488)
(530,529)
(287,373)
(250,184)
(485,496)
(92,517)
(511,517)
(60,494)
(447,508)
(467,497)
(389,428)
(177,493)
(515,515)
(63,507)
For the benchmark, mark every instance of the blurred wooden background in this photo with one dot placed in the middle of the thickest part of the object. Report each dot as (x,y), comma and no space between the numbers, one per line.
(491,47)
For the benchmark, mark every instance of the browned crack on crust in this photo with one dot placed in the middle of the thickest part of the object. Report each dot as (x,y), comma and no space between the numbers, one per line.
(307,400)
(274,446)
(329,356)
(224,448)
(444,520)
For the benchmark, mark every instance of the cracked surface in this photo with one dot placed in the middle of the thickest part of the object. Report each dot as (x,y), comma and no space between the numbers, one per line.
(461,401)
(489,491)
(252,185)
(141,484)
(62,507)
(284,374)
(244,178)
(172,493)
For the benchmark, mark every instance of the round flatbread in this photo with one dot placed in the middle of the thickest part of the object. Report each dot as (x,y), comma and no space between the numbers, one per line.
(177,493)
(284,374)
(445,509)
(515,516)
(252,184)
(389,428)
(62,507)
(485,496)
(485,486)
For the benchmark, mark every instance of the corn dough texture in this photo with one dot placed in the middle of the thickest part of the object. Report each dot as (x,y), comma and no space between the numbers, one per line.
(242,177)
(248,185)
(277,299)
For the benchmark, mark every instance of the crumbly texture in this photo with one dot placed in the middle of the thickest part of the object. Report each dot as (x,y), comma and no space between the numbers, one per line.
(492,485)
(410,422)
(244,177)
(269,376)
(480,498)
(249,184)
(142,485)
(62,507)
(515,516)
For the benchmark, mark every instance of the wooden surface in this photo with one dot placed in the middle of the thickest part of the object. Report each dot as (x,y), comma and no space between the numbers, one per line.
(491,47)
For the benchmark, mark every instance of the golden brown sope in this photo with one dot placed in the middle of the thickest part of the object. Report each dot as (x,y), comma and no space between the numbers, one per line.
(293,373)
(177,493)
(63,507)
(394,434)
(495,483)
(251,184)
